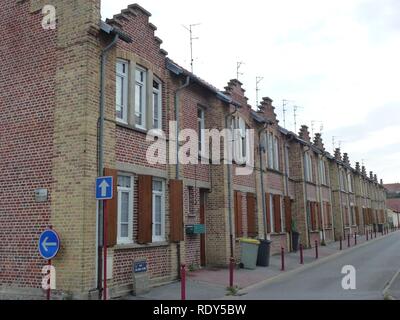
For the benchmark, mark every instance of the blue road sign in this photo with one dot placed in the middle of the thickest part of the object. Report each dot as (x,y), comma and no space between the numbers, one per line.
(49,244)
(104,188)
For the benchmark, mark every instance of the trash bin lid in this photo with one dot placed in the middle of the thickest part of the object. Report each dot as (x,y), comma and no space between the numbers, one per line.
(251,241)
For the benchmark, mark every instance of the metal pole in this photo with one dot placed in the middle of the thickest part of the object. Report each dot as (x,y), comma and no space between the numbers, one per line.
(341,244)
(283,259)
(231,268)
(316,249)
(183,282)
(105,249)
(355,238)
(49,281)
(348,241)
(301,254)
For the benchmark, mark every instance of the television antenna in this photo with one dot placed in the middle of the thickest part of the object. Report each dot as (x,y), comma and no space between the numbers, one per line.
(295,114)
(190,29)
(258,81)
(284,104)
(238,65)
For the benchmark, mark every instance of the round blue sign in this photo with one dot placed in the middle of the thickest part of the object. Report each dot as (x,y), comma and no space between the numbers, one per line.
(49,244)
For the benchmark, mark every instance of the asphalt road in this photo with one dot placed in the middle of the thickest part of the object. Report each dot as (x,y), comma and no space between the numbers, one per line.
(375,264)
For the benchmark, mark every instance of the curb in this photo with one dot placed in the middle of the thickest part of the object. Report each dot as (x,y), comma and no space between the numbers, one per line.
(312,264)
(386,291)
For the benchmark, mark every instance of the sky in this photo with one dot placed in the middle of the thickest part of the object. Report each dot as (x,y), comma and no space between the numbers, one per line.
(338,61)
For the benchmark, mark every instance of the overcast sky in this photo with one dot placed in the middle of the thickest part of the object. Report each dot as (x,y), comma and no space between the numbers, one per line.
(338,60)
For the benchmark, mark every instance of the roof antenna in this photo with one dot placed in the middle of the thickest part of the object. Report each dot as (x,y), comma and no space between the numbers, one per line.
(190,29)
(284,104)
(295,109)
(238,73)
(258,81)
(313,122)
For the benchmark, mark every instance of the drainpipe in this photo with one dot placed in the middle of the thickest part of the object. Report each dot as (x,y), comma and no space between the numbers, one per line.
(229,186)
(321,202)
(264,205)
(100,244)
(341,203)
(285,145)
(307,148)
(177,175)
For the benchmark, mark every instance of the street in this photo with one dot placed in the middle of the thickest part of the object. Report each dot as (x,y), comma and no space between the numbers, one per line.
(375,264)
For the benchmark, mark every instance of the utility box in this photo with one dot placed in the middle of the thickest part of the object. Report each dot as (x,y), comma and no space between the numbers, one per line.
(192,229)
(140,277)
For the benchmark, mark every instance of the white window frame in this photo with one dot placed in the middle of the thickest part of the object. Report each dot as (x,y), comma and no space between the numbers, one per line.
(201,128)
(129,239)
(143,101)
(157,92)
(124,90)
(276,153)
(308,167)
(239,137)
(283,221)
(322,169)
(270,150)
(158,238)
(272,213)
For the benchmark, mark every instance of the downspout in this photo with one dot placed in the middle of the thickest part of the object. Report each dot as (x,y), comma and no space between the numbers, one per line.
(341,203)
(321,202)
(229,186)
(307,148)
(264,205)
(177,167)
(285,146)
(100,244)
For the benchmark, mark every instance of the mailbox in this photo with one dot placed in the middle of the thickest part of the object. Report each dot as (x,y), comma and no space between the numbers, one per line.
(195,229)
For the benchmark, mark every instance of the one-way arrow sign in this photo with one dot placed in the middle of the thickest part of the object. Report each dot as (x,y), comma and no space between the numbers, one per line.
(49,244)
(104,188)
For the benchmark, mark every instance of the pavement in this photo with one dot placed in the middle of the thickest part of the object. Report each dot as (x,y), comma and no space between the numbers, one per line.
(376,263)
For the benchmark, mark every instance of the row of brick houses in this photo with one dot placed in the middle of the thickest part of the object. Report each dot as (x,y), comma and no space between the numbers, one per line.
(49,140)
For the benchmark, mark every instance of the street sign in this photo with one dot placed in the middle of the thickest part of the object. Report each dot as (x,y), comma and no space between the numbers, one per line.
(49,244)
(104,188)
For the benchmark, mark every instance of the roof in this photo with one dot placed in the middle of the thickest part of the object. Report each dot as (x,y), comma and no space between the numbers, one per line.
(113,30)
(393,187)
(393,204)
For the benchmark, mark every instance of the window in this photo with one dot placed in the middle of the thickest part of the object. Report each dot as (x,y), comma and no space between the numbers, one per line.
(322,172)
(157,103)
(308,167)
(158,210)
(350,182)
(121,94)
(272,213)
(239,133)
(140,98)
(125,209)
(273,152)
(201,127)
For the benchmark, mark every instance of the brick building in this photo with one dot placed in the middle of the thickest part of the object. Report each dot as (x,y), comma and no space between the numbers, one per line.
(51,139)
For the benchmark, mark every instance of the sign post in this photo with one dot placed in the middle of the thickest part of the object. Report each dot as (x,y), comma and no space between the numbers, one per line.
(104,192)
(49,245)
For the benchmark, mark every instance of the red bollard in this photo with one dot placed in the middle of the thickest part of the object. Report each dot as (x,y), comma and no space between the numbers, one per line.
(183,282)
(231,268)
(367,235)
(355,238)
(316,249)
(282,259)
(341,244)
(348,240)
(301,254)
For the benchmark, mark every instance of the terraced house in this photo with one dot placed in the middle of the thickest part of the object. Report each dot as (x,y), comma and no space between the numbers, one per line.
(92,98)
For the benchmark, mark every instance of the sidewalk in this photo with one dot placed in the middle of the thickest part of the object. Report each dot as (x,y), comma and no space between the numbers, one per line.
(212,283)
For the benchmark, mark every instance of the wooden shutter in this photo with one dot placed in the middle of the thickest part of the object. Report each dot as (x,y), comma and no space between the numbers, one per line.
(277,213)
(176,210)
(313,220)
(288,214)
(238,214)
(357,215)
(319,213)
(112,209)
(268,212)
(251,215)
(329,221)
(145,214)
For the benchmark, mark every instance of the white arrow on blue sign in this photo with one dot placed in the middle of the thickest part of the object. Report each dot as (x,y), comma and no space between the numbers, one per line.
(104,188)
(49,244)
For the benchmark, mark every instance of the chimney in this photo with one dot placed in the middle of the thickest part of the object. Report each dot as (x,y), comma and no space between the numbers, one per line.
(375,178)
(381,182)
(346,158)
(364,171)
(338,155)
(371,175)
(304,133)
(358,169)
(268,110)
(318,142)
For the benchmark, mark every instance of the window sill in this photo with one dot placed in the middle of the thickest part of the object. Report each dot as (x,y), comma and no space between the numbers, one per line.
(274,171)
(277,234)
(140,246)
(133,128)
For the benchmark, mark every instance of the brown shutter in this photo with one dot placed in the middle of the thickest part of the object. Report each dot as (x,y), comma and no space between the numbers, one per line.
(238,214)
(319,213)
(268,207)
(145,216)
(357,216)
(313,220)
(176,210)
(251,215)
(288,214)
(277,213)
(112,209)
